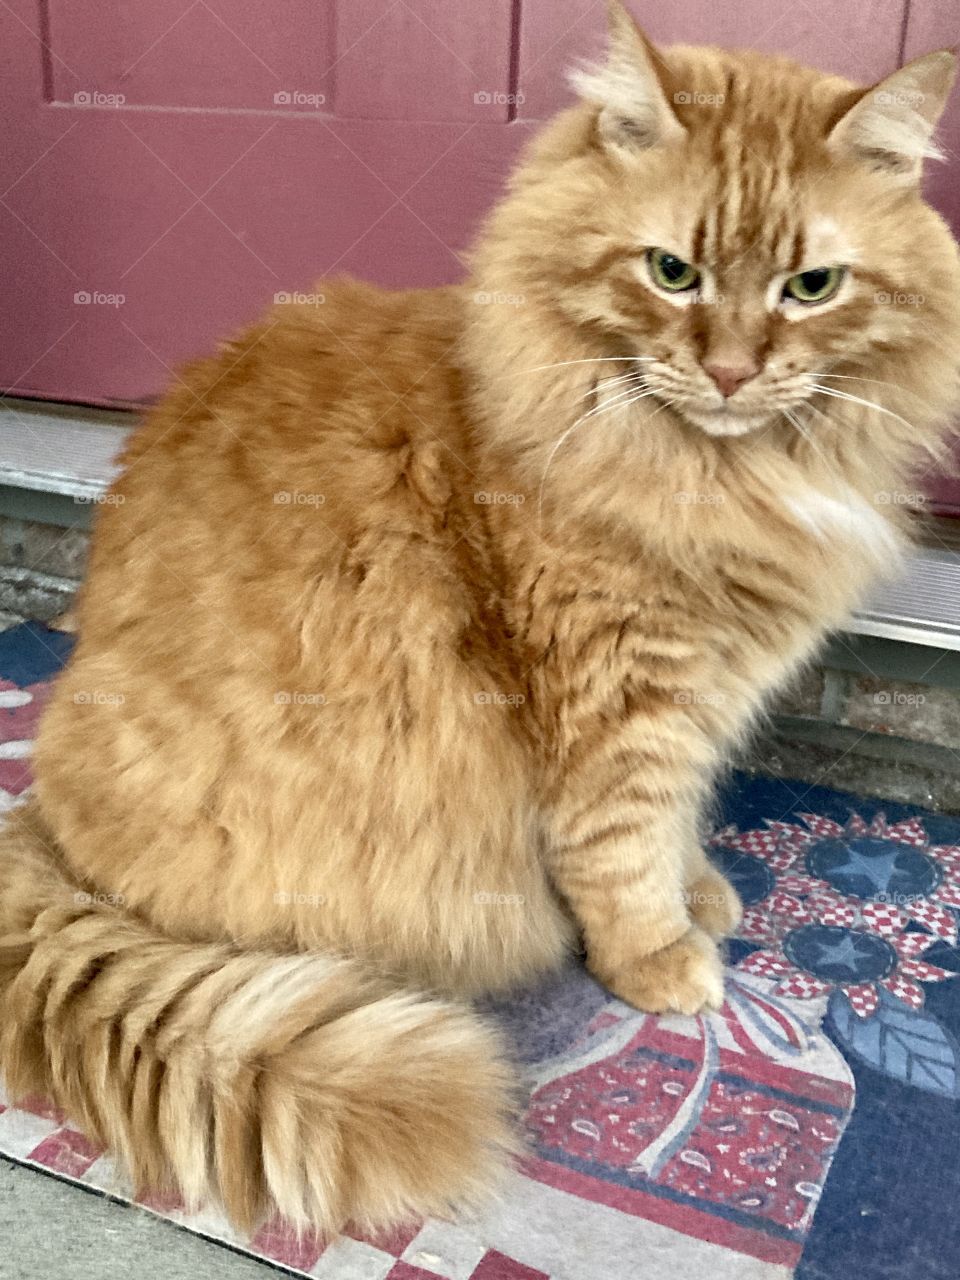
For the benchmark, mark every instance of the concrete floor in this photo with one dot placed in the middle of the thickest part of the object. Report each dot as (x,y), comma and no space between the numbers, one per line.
(50,1230)
(849,759)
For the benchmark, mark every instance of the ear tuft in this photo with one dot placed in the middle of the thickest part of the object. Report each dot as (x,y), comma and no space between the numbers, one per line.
(890,127)
(630,88)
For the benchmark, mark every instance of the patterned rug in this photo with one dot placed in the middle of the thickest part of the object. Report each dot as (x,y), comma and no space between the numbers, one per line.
(810,1129)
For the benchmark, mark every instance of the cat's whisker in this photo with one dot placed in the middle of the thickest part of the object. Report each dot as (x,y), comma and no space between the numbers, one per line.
(644,395)
(615,400)
(666,405)
(880,382)
(622,401)
(562,364)
(612,382)
(838,394)
(605,407)
(553,452)
(795,422)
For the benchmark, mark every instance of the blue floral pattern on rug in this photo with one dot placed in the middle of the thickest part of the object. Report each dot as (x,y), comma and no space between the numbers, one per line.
(851,913)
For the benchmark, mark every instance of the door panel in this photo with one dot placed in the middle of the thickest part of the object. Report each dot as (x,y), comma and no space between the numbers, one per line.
(186,54)
(167,174)
(424,60)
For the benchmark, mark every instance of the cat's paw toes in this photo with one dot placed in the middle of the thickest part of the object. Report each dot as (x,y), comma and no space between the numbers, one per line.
(714,904)
(684,977)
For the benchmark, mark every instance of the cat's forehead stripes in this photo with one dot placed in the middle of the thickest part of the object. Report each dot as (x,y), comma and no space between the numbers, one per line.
(759,150)
(749,210)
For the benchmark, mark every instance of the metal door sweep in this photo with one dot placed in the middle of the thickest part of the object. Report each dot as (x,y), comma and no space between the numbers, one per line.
(920,607)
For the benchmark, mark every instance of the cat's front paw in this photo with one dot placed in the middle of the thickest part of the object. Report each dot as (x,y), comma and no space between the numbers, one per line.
(684,977)
(714,904)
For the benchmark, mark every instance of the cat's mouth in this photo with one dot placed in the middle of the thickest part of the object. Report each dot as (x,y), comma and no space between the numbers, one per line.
(751,409)
(725,420)
(734,415)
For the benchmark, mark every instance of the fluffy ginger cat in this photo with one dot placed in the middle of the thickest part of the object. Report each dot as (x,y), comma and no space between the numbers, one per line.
(418,629)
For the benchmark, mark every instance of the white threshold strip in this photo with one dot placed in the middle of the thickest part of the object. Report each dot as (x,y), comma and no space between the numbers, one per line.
(921,607)
(59,449)
(72,452)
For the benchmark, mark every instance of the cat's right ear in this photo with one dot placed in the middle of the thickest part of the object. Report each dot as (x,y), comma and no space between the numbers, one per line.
(633,88)
(890,127)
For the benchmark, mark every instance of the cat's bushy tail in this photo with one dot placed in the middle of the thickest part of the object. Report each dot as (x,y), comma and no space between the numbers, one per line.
(250,1079)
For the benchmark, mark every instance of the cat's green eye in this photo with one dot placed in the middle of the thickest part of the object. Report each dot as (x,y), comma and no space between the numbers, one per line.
(670,273)
(814,286)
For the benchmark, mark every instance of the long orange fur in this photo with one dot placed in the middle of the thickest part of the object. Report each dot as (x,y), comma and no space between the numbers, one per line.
(418,625)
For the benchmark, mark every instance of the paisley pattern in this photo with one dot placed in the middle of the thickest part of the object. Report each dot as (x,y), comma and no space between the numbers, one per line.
(711,1124)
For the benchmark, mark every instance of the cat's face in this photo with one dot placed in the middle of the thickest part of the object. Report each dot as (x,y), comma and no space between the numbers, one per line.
(745,227)
(753,271)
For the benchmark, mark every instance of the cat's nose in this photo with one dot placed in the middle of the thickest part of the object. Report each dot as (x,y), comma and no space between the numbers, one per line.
(731,377)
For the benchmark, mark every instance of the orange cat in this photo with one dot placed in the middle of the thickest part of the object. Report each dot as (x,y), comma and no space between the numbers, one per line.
(407,658)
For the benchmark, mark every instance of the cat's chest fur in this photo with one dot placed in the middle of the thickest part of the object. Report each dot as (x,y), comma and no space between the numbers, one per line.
(709,635)
(843,517)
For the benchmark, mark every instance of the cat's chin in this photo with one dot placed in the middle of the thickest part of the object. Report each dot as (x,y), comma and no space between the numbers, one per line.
(724,422)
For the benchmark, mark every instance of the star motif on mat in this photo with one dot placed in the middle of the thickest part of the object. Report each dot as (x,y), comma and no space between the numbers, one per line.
(880,871)
(841,953)
(849,907)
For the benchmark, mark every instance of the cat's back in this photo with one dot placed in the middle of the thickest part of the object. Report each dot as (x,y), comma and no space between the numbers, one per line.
(320,370)
(327,434)
(318,409)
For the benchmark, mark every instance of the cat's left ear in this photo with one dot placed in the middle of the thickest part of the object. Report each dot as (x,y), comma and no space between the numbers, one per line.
(890,127)
(633,88)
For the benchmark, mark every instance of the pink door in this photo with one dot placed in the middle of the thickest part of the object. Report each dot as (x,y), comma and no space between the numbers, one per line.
(165,169)
(169,168)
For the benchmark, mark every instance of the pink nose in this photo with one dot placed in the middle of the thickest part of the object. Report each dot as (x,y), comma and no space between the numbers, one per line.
(730,378)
